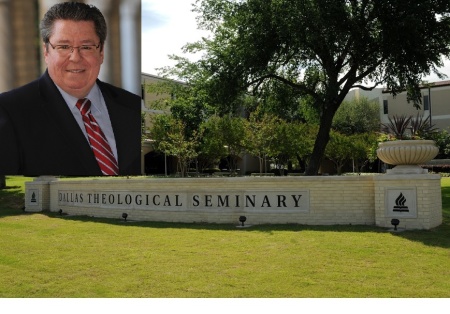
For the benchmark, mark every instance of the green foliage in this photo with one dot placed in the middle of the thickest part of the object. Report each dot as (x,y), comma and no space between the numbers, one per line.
(163,91)
(212,144)
(284,101)
(232,131)
(216,138)
(169,135)
(273,138)
(342,148)
(310,114)
(339,149)
(188,106)
(363,149)
(185,102)
(286,143)
(357,116)
(260,135)
(442,140)
(266,137)
(318,49)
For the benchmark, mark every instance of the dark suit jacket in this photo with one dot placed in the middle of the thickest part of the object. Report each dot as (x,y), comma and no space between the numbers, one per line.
(40,136)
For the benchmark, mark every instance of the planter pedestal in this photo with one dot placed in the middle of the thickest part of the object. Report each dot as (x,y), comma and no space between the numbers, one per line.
(407,169)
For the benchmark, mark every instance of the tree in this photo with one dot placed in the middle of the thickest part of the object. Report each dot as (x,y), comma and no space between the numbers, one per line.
(212,144)
(270,137)
(290,141)
(259,135)
(442,140)
(170,138)
(339,149)
(232,130)
(320,48)
(342,148)
(362,149)
(280,148)
(185,103)
(357,116)
(281,100)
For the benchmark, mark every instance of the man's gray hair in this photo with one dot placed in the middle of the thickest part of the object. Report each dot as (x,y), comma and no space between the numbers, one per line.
(74,11)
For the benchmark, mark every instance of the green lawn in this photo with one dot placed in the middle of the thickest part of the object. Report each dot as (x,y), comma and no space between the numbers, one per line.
(47,255)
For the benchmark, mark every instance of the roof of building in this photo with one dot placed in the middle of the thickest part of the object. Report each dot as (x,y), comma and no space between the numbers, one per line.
(427,85)
(144,75)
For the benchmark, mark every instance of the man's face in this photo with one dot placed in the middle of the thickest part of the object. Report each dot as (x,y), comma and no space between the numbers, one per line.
(75,72)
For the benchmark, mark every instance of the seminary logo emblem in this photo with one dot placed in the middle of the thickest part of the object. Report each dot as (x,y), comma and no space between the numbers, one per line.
(400,204)
(33,197)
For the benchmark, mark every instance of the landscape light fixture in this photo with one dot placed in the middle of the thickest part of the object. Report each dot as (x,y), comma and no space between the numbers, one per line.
(242,219)
(395,223)
(60,212)
(124,216)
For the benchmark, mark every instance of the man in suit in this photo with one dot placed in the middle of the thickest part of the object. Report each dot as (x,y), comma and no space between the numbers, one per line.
(68,122)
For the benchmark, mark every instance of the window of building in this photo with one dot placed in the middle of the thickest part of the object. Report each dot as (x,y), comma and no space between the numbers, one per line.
(426,102)
(385,106)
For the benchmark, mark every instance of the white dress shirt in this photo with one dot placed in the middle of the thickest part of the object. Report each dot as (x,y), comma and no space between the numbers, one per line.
(98,110)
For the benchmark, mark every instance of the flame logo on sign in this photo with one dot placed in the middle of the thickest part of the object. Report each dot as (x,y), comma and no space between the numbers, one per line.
(33,198)
(400,204)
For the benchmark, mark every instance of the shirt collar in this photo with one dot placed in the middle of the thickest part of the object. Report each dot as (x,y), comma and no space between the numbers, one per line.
(94,96)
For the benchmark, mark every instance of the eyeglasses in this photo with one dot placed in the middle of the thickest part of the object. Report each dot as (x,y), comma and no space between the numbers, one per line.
(83,50)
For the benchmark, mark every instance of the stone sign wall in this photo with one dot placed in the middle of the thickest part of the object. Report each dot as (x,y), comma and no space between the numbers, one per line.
(322,200)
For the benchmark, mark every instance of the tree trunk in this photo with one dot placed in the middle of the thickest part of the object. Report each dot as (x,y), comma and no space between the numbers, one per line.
(2,182)
(323,136)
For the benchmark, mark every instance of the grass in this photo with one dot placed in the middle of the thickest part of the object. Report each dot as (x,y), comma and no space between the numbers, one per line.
(46,255)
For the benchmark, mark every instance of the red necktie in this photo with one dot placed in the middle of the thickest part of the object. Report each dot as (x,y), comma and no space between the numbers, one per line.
(97,139)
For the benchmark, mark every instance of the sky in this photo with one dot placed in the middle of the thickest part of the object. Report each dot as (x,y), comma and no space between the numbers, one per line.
(167,25)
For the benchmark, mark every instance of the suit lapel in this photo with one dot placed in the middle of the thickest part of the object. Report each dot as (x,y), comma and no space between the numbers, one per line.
(62,118)
(123,121)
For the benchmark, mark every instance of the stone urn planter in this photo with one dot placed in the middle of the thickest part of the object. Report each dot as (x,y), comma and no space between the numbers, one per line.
(407,155)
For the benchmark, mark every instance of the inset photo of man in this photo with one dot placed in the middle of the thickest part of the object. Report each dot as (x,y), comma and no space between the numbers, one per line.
(70,121)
